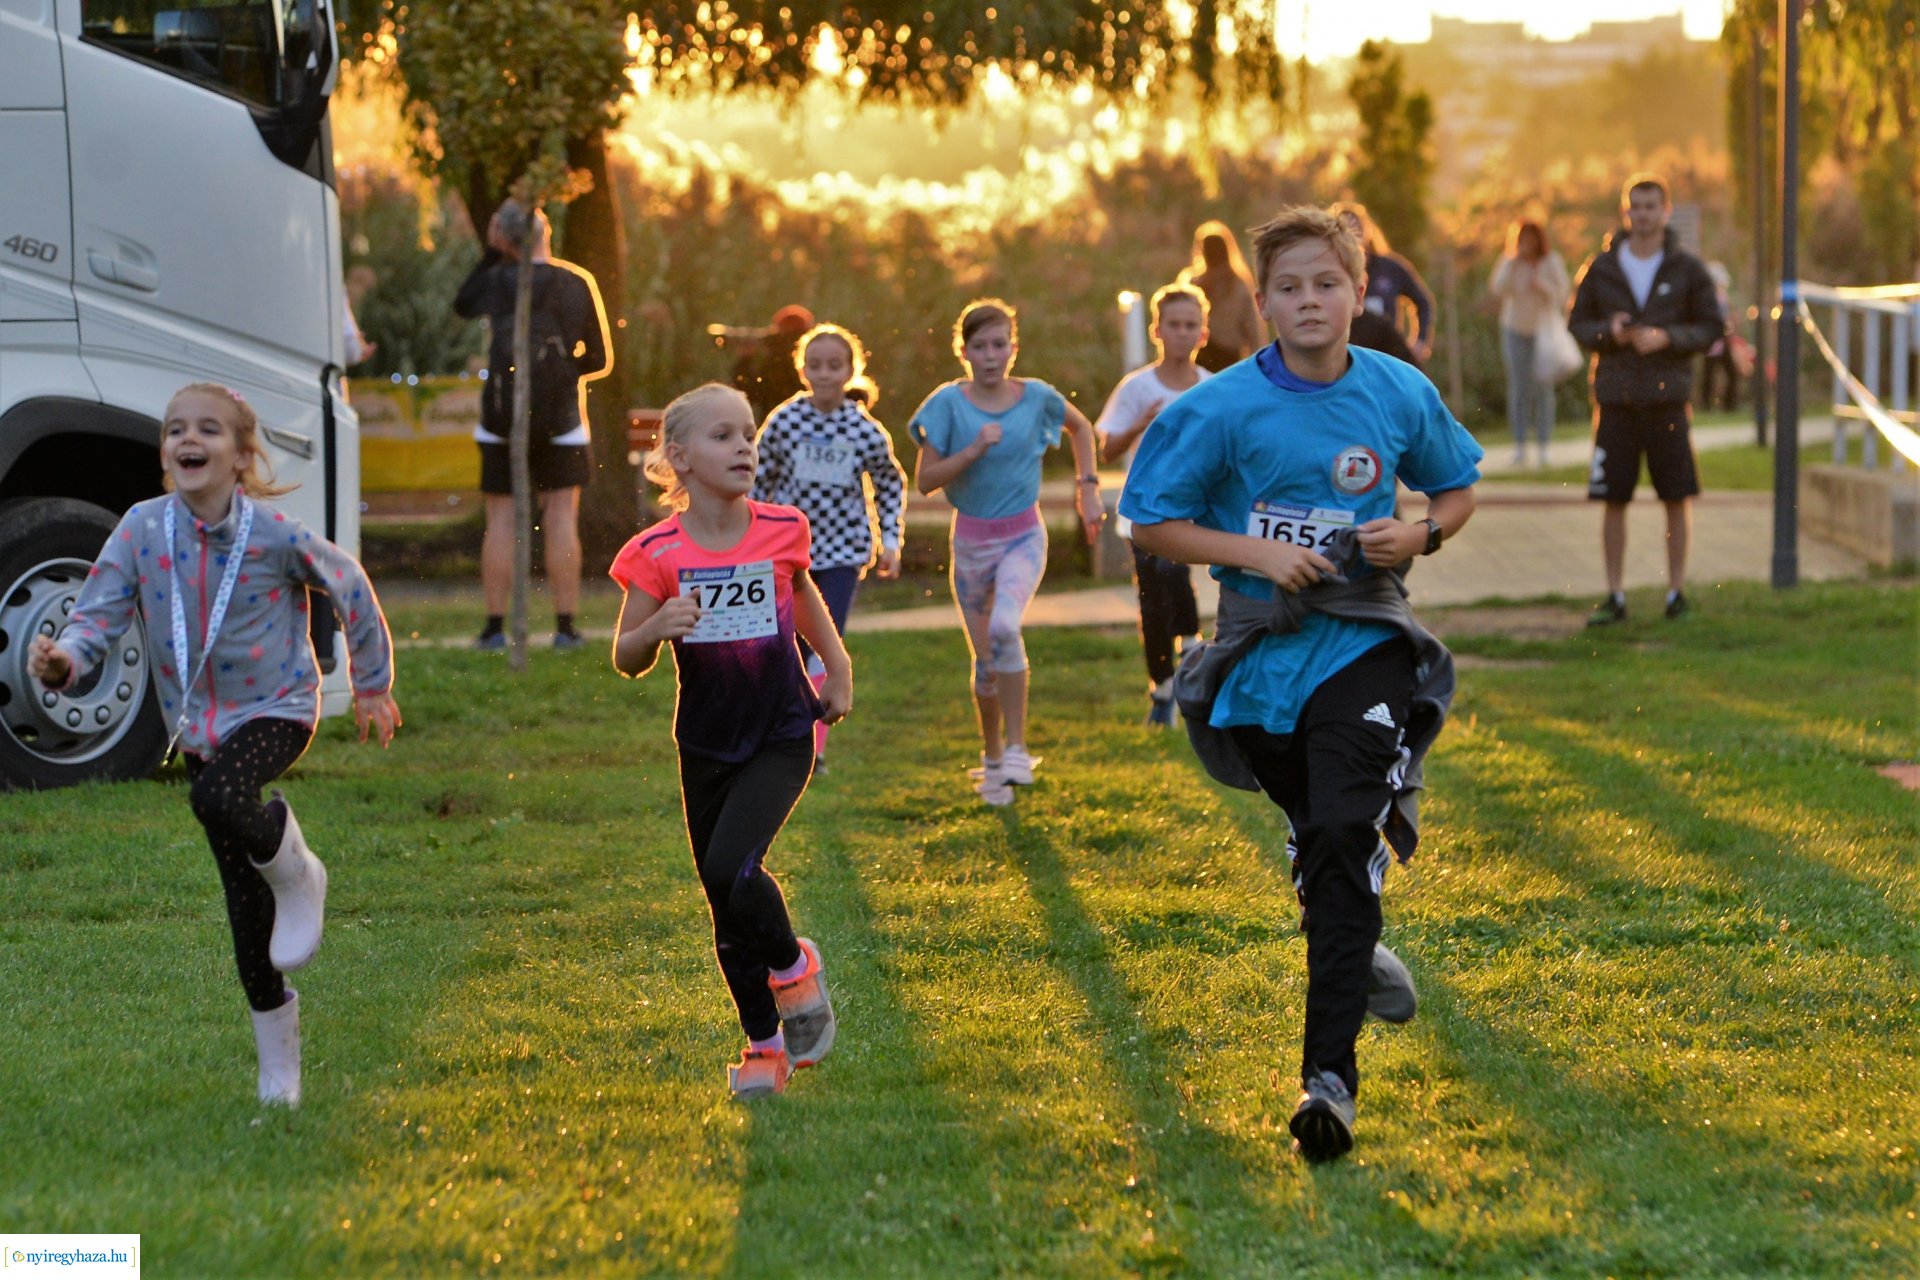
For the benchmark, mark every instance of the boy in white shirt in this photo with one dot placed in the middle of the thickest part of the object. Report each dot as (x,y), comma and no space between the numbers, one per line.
(1168,611)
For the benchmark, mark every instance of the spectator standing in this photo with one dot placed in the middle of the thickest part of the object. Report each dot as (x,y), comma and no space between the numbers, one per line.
(1646,307)
(570,347)
(1234,330)
(1531,283)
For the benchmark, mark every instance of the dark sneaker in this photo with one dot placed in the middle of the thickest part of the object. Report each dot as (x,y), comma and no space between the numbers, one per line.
(1159,713)
(759,1073)
(1322,1122)
(806,1011)
(1607,612)
(1390,993)
(1678,607)
(567,640)
(491,641)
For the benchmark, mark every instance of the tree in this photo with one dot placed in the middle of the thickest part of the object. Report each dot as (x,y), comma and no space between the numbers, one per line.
(496,92)
(902,51)
(1860,105)
(1394,167)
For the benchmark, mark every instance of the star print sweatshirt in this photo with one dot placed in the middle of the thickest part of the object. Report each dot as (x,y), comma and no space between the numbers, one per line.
(263,662)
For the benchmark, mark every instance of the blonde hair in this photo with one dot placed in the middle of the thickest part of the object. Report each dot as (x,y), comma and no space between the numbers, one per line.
(1179,292)
(978,315)
(1305,222)
(856,351)
(685,412)
(1228,250)
(257,476)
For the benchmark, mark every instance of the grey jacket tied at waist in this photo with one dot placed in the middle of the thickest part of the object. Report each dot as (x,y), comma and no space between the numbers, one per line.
(1373,597)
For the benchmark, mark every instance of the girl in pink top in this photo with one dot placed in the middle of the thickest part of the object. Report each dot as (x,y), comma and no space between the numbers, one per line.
(724,581)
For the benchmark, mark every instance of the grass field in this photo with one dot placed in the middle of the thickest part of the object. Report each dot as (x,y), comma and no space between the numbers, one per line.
(1663,924)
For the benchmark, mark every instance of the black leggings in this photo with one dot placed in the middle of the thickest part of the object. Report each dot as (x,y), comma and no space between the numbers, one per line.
(1334,776)
(734,811)
(1167,609)
(226,798)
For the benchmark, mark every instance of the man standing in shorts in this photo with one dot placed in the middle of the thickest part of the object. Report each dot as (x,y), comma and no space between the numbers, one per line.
(570,347)
(1645,308)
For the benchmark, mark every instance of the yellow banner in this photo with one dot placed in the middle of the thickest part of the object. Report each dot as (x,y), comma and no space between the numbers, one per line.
(418,434)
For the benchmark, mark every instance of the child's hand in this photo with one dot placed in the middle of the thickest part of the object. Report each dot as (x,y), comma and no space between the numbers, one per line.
(889,566)
(1093,511)
(836,697)
(378,712)
(1384,541)
(989,436)
(673,619)
(48,663)
(1290,567)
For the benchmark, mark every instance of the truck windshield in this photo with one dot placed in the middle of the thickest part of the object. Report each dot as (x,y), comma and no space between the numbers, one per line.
(233,47)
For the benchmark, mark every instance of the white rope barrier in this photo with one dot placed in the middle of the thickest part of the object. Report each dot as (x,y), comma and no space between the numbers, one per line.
(1901,437)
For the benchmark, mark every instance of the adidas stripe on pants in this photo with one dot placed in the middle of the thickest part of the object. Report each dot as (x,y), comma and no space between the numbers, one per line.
(1335,775)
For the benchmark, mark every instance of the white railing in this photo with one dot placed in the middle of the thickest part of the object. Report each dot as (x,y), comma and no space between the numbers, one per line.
(1877,391)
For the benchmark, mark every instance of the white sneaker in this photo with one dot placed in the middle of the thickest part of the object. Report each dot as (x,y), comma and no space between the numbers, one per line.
(1017,765)
(991,783)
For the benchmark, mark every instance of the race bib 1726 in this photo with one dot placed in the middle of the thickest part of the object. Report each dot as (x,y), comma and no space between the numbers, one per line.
(1302,526)
(736,602)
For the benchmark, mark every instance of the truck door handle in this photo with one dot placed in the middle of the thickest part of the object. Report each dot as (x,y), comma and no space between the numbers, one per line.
(120,271)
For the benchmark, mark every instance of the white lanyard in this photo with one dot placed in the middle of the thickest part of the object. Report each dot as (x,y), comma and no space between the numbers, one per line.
(215,617)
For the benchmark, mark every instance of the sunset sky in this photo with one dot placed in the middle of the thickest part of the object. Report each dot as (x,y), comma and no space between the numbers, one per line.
(1335,28)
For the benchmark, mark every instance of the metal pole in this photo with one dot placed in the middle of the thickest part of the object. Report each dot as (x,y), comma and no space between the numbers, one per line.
(1758,150)
(1786,453)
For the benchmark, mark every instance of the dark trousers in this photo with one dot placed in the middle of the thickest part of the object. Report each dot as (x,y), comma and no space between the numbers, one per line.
(1334,776)
(1167,609)
(836,588)
(225,795)
(733,813)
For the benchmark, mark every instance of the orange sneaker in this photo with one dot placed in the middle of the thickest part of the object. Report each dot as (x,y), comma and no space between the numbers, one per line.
(806,1011)
(759,1073)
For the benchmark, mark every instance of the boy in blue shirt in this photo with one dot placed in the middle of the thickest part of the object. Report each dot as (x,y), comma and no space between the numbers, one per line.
(1320,687)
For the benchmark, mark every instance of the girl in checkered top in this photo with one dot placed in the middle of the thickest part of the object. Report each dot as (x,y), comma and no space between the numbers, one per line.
(823,452)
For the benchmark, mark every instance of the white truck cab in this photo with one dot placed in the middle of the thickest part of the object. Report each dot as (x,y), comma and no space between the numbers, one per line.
(167,215)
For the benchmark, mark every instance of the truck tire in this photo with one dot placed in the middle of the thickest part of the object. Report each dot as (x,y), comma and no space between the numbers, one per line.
(107,726)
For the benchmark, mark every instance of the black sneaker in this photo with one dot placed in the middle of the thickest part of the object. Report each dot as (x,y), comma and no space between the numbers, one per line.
(1608,612)
(1678,606)
(1390,993)
(1322,1122)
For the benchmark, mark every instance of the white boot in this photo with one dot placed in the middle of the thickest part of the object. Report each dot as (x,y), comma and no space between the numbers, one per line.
(276,1033)
(299,884)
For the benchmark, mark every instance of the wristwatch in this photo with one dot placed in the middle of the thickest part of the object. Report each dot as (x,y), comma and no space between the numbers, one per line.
(1433,536)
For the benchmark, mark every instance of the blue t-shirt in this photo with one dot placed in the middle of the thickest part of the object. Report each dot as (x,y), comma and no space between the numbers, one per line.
(1239,454)
(1006,479)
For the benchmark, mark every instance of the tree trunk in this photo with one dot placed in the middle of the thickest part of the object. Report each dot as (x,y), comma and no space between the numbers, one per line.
(517,451)
(596,240)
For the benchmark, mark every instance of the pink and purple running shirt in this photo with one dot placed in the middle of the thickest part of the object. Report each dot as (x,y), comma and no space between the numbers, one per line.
(741,682)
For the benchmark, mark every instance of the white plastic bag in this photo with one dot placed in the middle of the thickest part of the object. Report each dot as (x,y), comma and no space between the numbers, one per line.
(1556,356)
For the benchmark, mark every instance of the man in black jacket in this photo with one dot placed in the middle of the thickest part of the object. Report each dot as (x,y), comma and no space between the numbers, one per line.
(570,346)
(1645,307)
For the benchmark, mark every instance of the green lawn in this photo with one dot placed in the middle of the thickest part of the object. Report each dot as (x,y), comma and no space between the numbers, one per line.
(1663,924)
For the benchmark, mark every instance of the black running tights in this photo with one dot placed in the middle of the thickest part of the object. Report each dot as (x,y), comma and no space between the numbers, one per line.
(242,831)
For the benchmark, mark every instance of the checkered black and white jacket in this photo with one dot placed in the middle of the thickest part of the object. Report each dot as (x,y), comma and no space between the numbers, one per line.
(839,469)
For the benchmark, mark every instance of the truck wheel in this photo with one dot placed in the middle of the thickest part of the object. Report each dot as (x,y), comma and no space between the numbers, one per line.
(106,726)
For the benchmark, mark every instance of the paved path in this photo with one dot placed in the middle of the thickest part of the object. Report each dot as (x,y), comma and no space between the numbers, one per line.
(1525,541)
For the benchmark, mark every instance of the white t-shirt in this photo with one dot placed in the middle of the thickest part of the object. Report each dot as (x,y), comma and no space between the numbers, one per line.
(1640,271)
(1140,394)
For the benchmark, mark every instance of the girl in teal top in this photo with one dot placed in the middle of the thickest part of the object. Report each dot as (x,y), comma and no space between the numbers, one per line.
(981,439)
